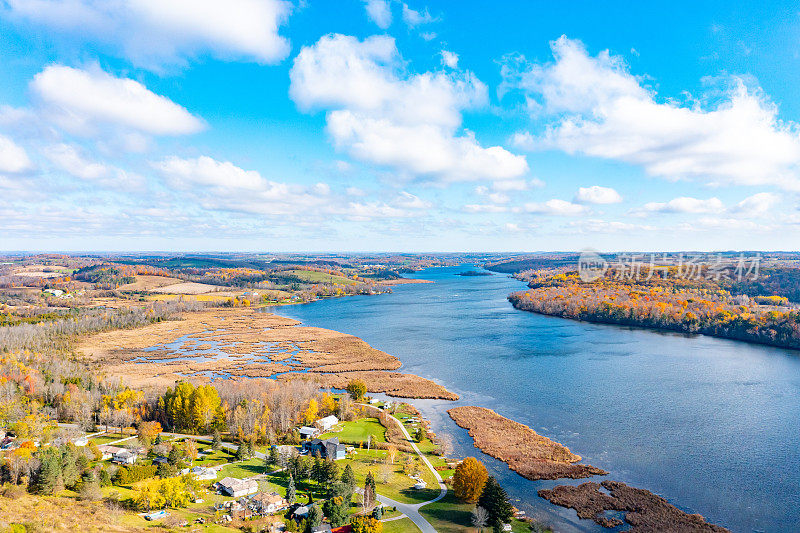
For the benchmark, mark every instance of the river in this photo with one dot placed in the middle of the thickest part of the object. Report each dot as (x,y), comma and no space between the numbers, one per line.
(711,425)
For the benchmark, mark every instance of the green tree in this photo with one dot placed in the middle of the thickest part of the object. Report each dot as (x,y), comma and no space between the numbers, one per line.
(348,478)
(48,477)
(291,492)
(216,440)
(314,517)
(495,500)
(337,506)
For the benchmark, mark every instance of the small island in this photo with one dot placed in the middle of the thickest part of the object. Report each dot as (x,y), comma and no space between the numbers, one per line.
(475,273)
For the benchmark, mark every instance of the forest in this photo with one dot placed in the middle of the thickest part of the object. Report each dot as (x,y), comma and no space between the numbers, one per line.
(749,310)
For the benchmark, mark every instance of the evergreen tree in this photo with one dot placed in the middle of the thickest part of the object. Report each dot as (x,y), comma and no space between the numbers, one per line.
(291,493)
(314,517)
(48,477)
(273,455)
(216,441)
(495,500)
(337,506)
(348,478)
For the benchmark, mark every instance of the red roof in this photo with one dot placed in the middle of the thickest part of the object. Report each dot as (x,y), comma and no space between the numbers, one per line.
(343,529)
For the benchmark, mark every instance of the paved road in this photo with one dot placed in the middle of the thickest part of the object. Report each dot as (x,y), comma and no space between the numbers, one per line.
(411,510)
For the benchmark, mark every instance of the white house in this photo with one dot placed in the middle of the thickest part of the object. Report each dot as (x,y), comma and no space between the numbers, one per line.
(124,457)
(108,451)
(308,433)
(327,423)
(237,487)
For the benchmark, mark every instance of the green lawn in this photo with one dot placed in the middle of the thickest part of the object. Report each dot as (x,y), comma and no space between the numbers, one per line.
(106,438)
(359,431)
(448,515)
(404,525)
(244,469)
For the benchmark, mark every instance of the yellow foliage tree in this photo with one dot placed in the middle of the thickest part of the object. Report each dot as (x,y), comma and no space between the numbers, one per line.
(468,480)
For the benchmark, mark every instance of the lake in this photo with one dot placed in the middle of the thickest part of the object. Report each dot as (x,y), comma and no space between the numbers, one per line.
(711,425)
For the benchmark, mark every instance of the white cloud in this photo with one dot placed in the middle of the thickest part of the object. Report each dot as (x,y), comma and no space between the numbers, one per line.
(379,12)
(153,32)
(204,170)
(414,18)
(449,59)
(69,159)
(683,204)
(597,195)
(485,208)
(13,157)
(381,114)
(80,99)
(604,111)
(556,207)
(517,185)
(757,205)
(406,200)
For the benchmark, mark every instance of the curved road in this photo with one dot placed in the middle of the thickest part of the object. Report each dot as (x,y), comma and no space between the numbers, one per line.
(411,510)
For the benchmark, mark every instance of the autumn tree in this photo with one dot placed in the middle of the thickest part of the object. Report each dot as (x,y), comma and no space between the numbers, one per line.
(357,389)
(147,431)
(311,412)
(469,479)
(366,524)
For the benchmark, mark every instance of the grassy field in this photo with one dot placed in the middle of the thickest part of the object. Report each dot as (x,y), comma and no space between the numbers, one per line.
(359,431)
(244,469)
(448,515)
(404,525)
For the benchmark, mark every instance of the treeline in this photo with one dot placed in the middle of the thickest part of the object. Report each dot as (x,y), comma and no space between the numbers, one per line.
(669,309)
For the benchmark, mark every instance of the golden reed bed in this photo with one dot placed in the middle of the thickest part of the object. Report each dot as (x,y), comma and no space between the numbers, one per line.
(526,452)
(248,344)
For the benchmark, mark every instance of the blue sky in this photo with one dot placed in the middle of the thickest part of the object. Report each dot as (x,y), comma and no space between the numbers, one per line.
(383,125)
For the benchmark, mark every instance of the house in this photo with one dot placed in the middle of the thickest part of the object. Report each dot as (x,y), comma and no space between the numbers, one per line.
(237,487)
(327,448)
(108,451)
(308,433)
(388,405)
(268,502)
(327,423)
(301,512)
(160,460)
(322,528)
(202,473)
(124,457)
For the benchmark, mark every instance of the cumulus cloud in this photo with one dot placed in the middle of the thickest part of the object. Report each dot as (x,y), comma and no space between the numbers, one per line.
(222,185)
(379,12)
(597,195)
(602,110)
(79,100)
(414,18)
(13,157)
(69,159)
(153,32)
(379,113)
(757,205)
(556,207)
(449,59)
(684,204)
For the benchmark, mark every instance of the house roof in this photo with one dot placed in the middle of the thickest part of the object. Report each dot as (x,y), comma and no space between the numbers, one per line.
(268,497)
(237,484)
(328,420)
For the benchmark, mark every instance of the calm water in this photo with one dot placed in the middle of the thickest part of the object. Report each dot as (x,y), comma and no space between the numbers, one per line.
(711,425)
